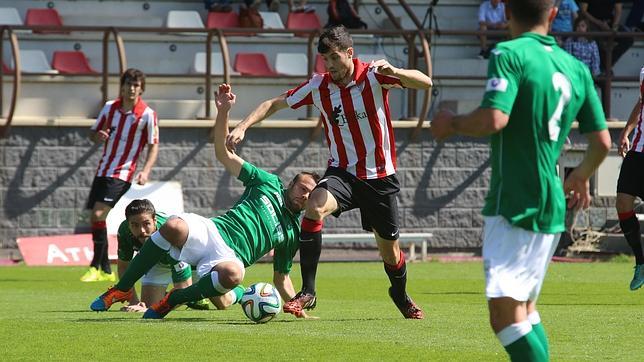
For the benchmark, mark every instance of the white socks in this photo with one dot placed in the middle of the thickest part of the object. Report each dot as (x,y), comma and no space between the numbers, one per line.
(513,332)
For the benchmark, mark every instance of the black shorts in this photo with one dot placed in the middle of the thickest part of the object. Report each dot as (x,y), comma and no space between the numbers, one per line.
(376,199)
(631,175)
(107,190)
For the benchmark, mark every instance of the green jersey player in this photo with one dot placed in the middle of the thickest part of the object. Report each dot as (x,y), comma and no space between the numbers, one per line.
(265,218)
(534,92)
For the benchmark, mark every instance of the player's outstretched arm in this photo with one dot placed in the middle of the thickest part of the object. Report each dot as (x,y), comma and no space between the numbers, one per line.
(285,287)
(576,185)
(479,123)
(263,111)
(623,143)
(410,78)
(224,99)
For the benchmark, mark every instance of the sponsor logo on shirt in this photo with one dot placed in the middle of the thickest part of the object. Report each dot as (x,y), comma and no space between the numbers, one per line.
(496,84)
(339,119)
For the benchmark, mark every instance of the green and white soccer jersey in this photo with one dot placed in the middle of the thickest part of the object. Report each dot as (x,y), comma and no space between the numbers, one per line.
(260,221)
(128,244)
(543,89)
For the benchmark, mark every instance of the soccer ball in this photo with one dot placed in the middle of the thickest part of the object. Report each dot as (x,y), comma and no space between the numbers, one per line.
(261,302)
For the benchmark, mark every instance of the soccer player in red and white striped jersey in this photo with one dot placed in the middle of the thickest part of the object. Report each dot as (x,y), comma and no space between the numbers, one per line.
(631,184)
(361,173)
(124,126)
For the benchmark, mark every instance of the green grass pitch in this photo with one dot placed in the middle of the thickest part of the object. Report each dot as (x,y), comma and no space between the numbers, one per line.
(587,309)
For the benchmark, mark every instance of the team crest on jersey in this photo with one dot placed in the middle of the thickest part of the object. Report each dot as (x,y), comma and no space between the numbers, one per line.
(496,84)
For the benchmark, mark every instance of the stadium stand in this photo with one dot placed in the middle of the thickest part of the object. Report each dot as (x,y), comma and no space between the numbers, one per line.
(71,62)
(319,64)
(48,17)
(216,64)
(184,19)
(367,57)
(291,64)
(34,61)
(255,64)
(219,20)
(272,20)
(10,16)
(303,21)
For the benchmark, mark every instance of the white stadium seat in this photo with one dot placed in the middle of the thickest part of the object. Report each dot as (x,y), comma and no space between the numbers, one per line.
(184,19)
(272,20)
(10,16)
(216,61)
(291,63)
(34,61)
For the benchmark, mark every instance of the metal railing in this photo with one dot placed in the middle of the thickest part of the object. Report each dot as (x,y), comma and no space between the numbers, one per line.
(222,38)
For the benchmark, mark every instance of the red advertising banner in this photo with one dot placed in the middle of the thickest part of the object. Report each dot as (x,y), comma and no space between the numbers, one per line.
(74,249)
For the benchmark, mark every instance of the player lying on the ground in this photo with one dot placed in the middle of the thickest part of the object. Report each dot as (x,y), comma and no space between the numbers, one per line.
(266,217)
(141,220)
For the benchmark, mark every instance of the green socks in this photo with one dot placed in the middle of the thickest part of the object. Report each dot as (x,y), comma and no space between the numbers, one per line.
(239,292)
(149,255)
(527,348)
(522,343)
(535,319)
(204,288)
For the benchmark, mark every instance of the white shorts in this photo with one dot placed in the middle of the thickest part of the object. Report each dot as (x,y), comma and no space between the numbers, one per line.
(161,275)
(205,247)
(515,260)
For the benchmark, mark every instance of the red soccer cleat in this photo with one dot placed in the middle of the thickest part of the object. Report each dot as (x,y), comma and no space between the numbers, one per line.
(300,302)
(104,301)
(408,308)
(159,310)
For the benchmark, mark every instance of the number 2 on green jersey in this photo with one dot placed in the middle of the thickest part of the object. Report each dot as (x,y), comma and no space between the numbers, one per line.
(561,84)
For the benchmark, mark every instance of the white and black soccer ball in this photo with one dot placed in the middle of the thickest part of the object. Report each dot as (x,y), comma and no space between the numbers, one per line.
(261,302)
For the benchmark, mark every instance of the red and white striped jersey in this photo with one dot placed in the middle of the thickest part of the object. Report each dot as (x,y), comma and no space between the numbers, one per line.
(356,118)
(129,133)
(637,143)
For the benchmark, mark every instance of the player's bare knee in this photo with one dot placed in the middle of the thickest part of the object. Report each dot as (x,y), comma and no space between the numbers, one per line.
(175,231)
(317,207)
(230,276)
(624,202)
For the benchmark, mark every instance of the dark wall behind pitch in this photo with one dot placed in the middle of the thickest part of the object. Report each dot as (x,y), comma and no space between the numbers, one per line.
(45,174)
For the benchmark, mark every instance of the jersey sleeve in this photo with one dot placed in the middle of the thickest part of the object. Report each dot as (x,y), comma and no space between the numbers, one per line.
(252,175)
(101,119)
(387,81)
(502,85)
(125,247)
(151,127)
(300,95)
(591,114)
(283,258)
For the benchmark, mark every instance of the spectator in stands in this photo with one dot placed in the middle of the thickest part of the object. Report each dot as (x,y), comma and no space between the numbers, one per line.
(634,18)
(342,13)
(301,8)
(273,5)
(604,15)
(491,17)
(565,16)
(124,126)
(583,48)
(218,5)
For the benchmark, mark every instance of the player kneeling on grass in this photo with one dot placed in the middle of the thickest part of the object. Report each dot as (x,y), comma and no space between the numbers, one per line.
(266,217)
(141,220)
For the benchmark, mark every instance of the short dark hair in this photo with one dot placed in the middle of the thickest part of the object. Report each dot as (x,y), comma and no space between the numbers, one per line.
(530,12)
(579,19)
(133,74)
(335,37)
(138,207)
(313,175)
